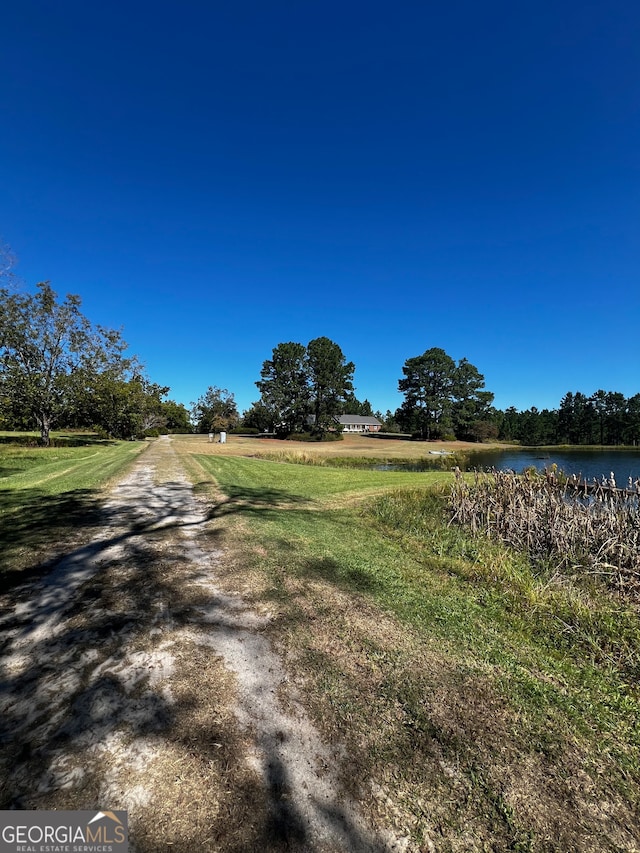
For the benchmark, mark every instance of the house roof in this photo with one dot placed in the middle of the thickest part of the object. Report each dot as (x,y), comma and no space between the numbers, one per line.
(364,420)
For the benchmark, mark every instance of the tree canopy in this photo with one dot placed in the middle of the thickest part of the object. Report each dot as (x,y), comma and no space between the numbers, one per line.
(51,355)
(284,388)
(330,380)
(442,398)
(214,411)
(603,418)
(59,369)
(303,386)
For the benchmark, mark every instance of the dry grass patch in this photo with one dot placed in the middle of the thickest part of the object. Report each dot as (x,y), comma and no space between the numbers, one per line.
(351,445)
(205,795)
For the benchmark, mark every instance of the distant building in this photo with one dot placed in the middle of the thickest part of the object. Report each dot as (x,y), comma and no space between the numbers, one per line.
(359,423)
(353,423)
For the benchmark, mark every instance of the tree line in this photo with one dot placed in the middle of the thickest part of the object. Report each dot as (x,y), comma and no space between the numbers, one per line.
(304,389)
(604,417)
(57,369)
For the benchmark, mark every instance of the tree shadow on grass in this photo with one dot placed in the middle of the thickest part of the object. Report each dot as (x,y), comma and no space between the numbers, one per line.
(266,504)
(32,522)
(81,679)
(250,499)
(71,440)
(350,578)
(8,472)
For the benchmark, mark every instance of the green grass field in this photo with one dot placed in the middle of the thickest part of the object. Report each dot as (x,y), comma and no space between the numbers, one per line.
(524,682)
(48,494)
(481,703)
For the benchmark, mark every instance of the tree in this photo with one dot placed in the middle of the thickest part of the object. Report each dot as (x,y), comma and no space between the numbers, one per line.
(49,351)
(300,381)
(330,380)
(215,411)
(566,419)
(428,386)
(284,388)
(579,421)
(353,406)
(470,403)
(615,417)
(442,397)
(7,263)
(389,422)
(508,424)
(259,417)
(176,417)
(128,408)
(632,421)
(586,419)
(599,401)
(486,430)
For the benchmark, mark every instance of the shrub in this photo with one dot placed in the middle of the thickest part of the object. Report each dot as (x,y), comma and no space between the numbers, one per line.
(301,436)
(331,436)
(100,432)
(309,436)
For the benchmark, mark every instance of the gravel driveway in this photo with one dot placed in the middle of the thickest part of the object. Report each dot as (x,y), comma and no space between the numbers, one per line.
(129,680)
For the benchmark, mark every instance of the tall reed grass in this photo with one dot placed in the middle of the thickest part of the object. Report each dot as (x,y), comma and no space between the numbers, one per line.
(424,463)
(579,528)
(566,610)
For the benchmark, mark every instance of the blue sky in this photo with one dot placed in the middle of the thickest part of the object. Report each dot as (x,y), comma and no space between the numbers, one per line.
(217,178)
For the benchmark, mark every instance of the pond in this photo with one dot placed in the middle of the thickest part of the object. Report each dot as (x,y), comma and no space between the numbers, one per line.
(587,463)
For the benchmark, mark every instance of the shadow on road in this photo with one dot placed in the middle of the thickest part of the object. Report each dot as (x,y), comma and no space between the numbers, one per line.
(85,662)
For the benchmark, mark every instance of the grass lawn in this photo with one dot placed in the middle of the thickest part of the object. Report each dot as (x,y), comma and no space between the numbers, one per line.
(47,494)
(484,706)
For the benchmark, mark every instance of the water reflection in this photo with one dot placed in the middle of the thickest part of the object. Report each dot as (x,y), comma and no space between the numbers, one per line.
(586,463)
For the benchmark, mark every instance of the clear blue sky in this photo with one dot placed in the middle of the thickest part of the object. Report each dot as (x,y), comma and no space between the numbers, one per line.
(219,177)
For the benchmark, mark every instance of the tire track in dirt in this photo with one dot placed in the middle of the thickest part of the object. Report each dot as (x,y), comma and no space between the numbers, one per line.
(129,680)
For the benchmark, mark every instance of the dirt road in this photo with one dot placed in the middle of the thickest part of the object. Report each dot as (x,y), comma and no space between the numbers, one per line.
(130,681)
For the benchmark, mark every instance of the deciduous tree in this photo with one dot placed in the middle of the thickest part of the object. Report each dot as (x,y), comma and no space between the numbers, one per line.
(50,353)
(8,261)
(176,417)
(215,411)
(259,417)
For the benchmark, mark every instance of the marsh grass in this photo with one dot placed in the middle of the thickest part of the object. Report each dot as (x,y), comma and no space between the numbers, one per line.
(570,614)
(592,532)
(379,462)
